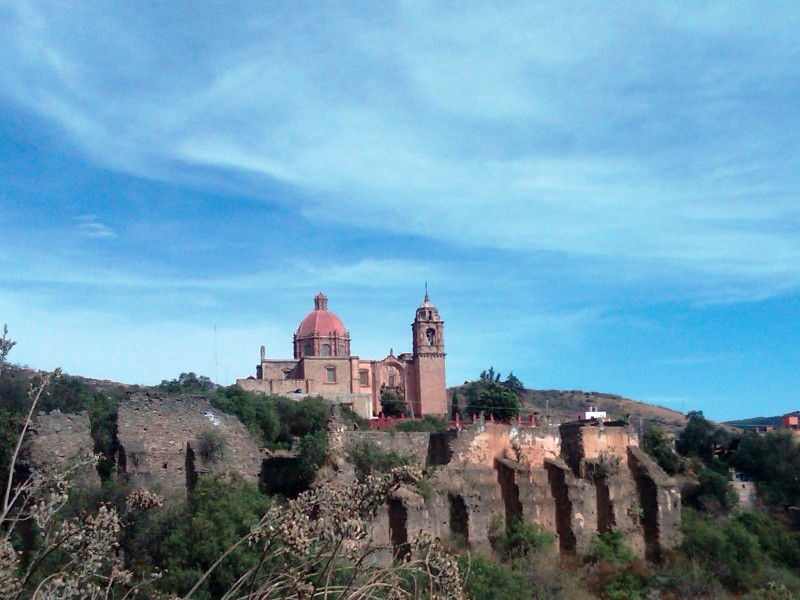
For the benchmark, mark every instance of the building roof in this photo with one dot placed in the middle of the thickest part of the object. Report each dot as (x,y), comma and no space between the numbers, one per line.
(321,320)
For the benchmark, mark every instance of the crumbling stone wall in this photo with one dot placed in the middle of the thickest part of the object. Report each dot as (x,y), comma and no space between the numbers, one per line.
(159,449)
(414,444)
(59,438)
(576,483)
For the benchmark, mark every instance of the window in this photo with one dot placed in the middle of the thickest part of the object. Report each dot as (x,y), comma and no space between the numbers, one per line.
(330,374)
(363,377)
(341,350)
(391,381)
(431,335)
(326,349)
(306,350)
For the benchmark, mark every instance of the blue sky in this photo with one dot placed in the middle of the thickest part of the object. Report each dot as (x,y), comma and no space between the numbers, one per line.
(602,196)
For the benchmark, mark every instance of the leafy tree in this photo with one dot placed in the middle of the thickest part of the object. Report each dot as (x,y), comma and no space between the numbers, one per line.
(187,383)
(514,384)
(392,404)
(221,510)
(298,419)
(258,413)
(713,494)
(702,439)
(728,553)
(490,376)
(656,443)
(493,399)
(773,461)
(367,458)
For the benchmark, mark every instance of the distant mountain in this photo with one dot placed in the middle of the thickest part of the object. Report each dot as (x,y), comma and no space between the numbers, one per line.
(757,421)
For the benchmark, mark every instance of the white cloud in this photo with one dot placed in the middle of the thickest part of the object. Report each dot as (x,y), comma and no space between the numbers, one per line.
(566,129)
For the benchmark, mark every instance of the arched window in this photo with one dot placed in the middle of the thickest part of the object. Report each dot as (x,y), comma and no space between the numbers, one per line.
(430,334)
(326,349)
(306,350)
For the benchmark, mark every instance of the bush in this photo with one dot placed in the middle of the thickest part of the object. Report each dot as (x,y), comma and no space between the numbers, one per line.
(392,404)
(489,580)
(353,418)
(713,493)
(367,458)
(428,424)
(659,447)
(311,453)
(257,412)
(524,539)
(210,445)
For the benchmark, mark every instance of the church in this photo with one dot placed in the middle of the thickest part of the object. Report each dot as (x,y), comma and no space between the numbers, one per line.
(323,366)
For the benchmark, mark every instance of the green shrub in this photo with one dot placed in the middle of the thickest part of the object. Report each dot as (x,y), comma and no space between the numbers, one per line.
(256,411)
(489,580)
(428,424)
(524,539)
(713,494)
(367,458)
(392,404)
(353,418)
(210,445)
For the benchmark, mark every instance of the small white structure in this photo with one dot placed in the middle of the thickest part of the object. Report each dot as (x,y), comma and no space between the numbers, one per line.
(593,413)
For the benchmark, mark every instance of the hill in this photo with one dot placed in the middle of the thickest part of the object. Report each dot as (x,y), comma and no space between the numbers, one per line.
(564,405)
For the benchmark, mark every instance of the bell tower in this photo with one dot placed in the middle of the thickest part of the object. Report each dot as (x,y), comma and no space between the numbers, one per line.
(428,358)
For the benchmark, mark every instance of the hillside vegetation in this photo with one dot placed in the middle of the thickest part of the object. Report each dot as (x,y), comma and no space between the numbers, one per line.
(230,540)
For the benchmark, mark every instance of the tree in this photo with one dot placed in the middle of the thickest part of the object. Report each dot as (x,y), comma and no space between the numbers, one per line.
(187,383)
(658,445)
(701,438)
(492,398)
(392,404)
(490,376)
(513,383)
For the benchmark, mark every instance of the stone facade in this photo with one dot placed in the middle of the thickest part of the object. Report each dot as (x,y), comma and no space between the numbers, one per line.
(322,365)
(60,438)
(160,445)
(576,482)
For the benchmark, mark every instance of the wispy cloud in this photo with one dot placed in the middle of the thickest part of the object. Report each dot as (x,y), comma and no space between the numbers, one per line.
(88,226)
(517,129)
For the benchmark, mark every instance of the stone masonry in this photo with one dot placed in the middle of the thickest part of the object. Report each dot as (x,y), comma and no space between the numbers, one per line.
(60,438)
(575,481)
(159,447)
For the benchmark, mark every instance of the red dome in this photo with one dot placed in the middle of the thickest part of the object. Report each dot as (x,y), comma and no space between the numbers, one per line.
(321,320)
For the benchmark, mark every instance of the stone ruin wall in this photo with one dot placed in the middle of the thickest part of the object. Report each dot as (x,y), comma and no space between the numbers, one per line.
(158,443)
(485,474)
(496,473)
(59,438)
